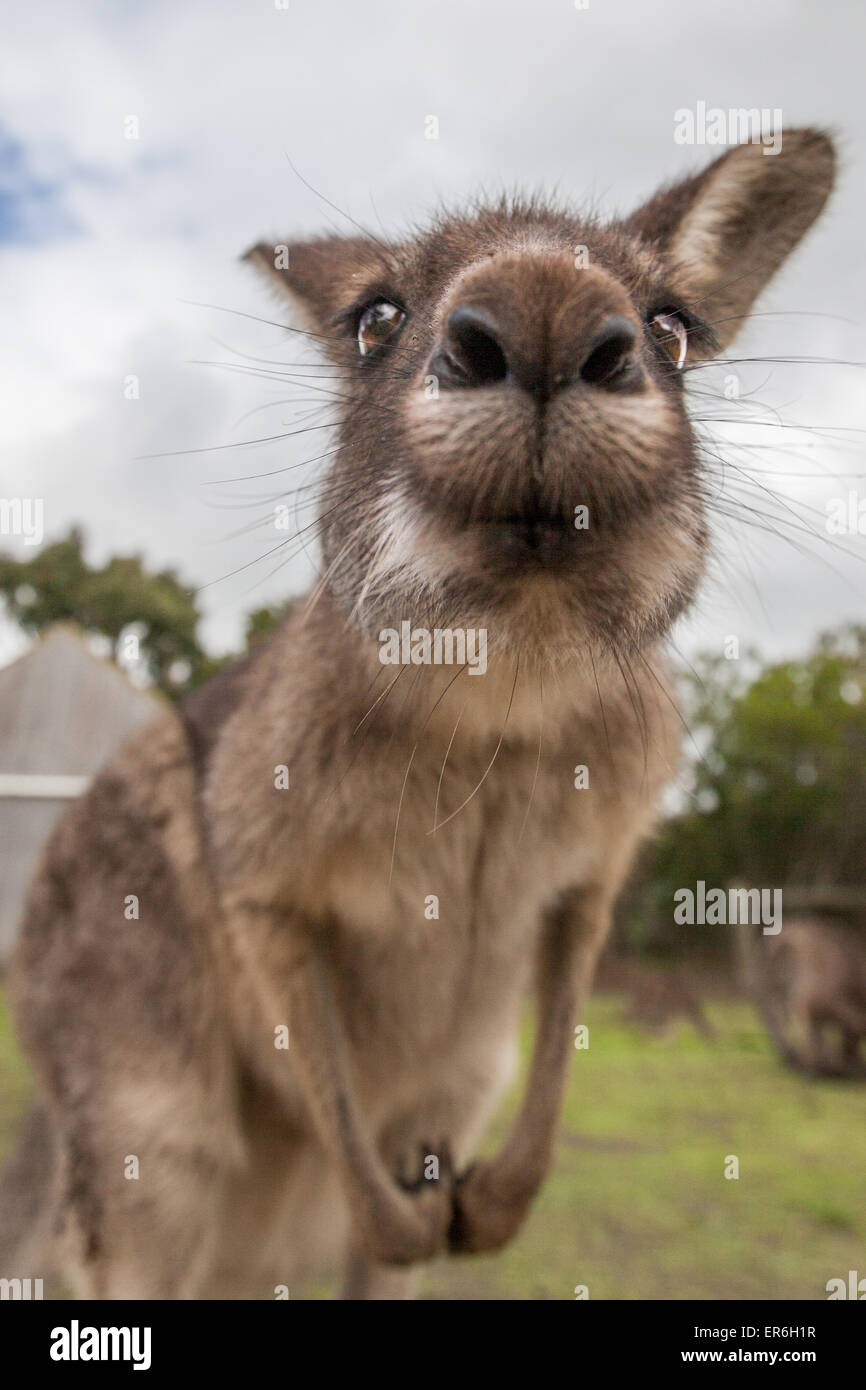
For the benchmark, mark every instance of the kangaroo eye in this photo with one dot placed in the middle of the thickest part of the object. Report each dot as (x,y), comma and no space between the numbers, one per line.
(672,336)
(377,324)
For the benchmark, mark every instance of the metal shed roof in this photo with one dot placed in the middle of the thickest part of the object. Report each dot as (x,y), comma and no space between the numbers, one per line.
(63,712)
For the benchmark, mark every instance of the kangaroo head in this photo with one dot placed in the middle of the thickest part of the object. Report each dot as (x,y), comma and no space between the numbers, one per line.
(515,451)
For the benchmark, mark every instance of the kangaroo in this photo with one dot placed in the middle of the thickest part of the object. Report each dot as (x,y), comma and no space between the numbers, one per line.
(275,960)
(655,998)
(811,983)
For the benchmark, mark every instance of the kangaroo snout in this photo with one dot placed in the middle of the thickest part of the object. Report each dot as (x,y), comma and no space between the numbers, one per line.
(538,325)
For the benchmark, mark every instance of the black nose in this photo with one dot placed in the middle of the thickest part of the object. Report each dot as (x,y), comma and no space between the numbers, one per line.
(471,351)
(609,350)
(475,351)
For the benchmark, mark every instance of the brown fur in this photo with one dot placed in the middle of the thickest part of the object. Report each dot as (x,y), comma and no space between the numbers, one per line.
(655,997)
(306,907)
(811,981)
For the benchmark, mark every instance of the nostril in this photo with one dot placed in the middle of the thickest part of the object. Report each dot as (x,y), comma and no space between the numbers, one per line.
(610,353)
(472,342)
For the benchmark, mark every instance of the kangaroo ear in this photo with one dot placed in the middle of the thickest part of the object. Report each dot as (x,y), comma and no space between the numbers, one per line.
(323,277)
(725,232)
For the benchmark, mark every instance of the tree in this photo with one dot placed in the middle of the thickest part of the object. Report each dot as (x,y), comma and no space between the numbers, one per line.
(119,599)
(778,793)
(261,622)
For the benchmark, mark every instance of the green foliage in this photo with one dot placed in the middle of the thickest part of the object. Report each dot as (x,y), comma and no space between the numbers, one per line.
(778,776)
(263,621)
(111,600)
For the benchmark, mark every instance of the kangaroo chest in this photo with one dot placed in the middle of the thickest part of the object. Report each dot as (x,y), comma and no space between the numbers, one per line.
(438,904)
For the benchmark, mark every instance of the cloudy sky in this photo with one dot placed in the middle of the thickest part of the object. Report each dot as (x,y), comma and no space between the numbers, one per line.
(109,245)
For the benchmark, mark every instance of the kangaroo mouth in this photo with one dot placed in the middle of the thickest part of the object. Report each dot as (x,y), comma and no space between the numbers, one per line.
(532,540)
(531,520)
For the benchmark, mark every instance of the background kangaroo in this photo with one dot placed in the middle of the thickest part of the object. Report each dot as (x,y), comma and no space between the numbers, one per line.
(810,983)
(496,375)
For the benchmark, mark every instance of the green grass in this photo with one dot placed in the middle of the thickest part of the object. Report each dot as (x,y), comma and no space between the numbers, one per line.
(637,1205)
(14,1081)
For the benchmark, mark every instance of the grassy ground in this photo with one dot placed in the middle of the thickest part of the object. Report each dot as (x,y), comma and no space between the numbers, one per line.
(638,1205)
(14,1083)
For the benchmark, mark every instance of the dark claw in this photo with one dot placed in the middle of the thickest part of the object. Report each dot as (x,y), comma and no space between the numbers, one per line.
(415,1184)
(442,1152)
(446,1162)
(457,1232)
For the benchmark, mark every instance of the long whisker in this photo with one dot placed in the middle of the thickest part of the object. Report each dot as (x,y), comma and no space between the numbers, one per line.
(442,769)
(412,759)
(538,758)
(333,206)
(492,760)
